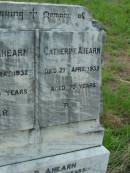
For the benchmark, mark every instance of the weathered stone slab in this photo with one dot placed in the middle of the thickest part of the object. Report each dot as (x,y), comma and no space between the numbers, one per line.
(50,65)
(92,160)
(16,80)
(22,145)
(69,76)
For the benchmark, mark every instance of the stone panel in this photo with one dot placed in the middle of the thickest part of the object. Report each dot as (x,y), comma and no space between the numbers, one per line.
(93,160)
(16,80)
(69,76)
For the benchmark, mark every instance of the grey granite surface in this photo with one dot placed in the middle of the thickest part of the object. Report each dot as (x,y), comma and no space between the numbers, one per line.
(50,79)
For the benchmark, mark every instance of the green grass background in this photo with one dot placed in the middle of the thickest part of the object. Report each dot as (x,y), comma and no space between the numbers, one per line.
(115,18)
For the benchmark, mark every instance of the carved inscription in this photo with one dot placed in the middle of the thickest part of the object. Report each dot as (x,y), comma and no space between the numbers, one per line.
(67,168)
(69,82)
(48,71)
(50,77)
(36,16)
(16,74)
(69,71)
(71,51)
(12,53)
(10,73)
(21,15)
(11,14)
(68,65)
(3,113)
(49,15)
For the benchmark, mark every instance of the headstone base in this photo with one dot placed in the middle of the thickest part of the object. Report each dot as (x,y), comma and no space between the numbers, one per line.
(27,145)
(93,160)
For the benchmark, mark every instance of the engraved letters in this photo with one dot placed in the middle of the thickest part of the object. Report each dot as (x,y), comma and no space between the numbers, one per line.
(71,51)
(13,52)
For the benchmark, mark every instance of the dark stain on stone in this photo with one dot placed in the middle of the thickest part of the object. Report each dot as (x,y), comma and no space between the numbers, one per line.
(97,25)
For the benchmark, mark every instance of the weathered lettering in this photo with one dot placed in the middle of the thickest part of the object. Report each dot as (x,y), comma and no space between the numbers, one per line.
(13,52)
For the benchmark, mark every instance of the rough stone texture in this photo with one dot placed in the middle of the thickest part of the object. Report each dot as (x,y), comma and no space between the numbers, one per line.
(61,81)
(92,160)
(50,73)
(21,146)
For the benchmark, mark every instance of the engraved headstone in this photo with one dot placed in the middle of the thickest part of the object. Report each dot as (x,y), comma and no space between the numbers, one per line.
(50,72)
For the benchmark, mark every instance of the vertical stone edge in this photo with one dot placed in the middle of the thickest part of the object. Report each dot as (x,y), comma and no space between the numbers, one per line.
(37,138)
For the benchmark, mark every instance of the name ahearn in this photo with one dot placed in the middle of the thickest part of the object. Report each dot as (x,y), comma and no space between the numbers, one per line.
(71,51)
(13,52)
(69,168)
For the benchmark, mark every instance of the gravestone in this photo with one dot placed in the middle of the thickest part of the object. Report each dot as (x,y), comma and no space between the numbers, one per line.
(50,72)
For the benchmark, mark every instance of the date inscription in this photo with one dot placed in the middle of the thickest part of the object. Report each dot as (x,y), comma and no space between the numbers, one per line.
(48,71)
